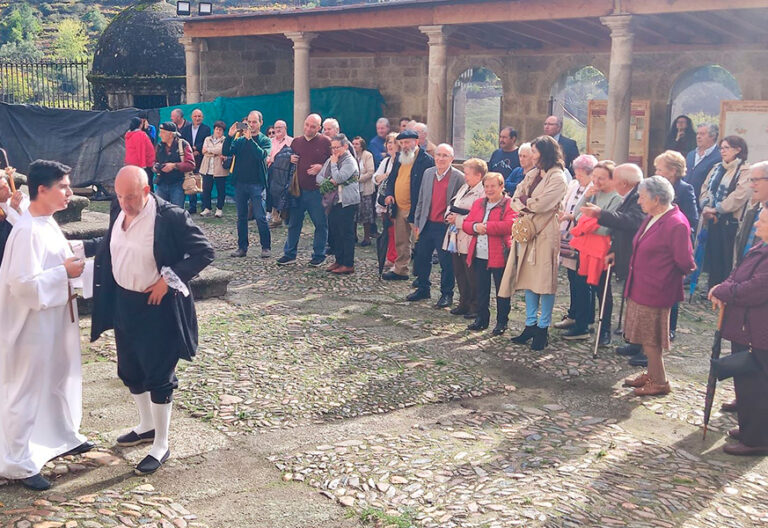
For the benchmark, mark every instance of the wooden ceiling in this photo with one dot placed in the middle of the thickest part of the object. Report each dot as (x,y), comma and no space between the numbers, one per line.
(731,28)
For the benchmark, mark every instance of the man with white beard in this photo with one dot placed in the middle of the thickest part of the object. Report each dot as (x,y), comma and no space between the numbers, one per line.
(403,194)
(40,377)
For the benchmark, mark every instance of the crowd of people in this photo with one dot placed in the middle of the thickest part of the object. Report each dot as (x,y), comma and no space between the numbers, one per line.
(512,222)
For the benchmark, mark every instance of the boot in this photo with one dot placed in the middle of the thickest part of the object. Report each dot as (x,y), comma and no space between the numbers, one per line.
(541,339)
(528,333)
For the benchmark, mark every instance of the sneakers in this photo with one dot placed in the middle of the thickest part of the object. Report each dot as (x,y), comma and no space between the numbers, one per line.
(285,260)
(266,253)
(238,253)
(567,322)
(316,262)
(219,213)
(205,212)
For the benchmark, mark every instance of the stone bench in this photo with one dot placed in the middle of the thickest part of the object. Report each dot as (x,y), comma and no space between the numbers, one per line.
(92,224)
(212,282)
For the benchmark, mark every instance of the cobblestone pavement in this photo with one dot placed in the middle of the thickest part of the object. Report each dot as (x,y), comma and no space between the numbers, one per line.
(461,429)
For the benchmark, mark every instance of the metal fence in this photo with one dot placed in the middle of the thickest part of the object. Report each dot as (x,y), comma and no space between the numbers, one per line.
(51,83)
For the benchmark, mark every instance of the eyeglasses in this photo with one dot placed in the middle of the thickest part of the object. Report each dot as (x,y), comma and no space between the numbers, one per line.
(752,180)
(337,147)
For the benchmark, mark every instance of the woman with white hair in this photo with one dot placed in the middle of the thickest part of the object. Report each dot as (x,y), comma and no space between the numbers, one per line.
(525,155)
(662,256)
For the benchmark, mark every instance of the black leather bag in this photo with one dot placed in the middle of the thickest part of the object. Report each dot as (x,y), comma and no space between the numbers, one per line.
(458,210)
(733,365)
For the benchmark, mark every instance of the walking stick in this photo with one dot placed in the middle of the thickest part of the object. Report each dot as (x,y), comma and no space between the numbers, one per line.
(619,330)
(602,309)
(712,381)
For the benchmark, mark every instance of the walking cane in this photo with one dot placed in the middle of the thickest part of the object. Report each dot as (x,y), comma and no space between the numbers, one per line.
(619,330)
(602,309)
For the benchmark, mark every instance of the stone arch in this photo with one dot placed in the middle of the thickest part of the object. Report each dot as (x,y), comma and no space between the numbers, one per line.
(697,92)
(476,110)
(570,94)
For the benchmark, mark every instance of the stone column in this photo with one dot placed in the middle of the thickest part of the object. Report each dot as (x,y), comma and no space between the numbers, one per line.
(619,87)
(437,90)
(192,53)
(301,106)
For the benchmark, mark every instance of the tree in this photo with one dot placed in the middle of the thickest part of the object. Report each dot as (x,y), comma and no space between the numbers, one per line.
(19,23)
(71,40)
(24,51)
(95,20)
(483,143)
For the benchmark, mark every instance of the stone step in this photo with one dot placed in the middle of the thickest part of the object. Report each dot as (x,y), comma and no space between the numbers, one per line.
(212,282)
(91,225)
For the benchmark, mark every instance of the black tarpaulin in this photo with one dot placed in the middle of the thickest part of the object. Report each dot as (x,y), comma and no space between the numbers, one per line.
(92,143)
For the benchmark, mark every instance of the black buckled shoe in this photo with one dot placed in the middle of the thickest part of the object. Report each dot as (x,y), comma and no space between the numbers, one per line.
(629,349)
(640,360)
(418,295)
(36,483)
(459,310)
(133,438)
(150,464)
(499,329)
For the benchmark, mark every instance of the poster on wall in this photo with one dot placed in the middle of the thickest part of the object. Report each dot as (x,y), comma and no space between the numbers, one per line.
(748,119)
(639,127)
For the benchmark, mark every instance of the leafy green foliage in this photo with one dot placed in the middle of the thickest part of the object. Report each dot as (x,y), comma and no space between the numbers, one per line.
(71,41)
(19,23)
(483,143)
(24,51)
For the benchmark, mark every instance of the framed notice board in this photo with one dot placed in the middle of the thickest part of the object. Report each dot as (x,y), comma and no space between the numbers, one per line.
(748,119)
(639,127)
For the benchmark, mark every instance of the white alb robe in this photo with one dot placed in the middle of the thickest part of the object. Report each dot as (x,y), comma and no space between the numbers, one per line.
(40,376)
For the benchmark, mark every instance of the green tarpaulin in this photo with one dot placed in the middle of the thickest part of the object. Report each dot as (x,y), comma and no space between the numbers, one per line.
(356,109)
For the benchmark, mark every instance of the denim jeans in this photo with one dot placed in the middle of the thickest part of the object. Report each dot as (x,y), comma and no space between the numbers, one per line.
(171,192)
(532,301)
(311,202)
(243,193)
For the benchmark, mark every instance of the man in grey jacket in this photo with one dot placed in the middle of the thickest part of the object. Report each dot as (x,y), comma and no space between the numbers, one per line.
(438,187)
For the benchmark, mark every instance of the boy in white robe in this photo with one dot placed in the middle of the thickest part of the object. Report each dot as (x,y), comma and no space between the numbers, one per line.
(40,377)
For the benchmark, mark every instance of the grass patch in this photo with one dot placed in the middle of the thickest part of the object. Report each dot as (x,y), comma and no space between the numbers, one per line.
(682,480)
(380,518)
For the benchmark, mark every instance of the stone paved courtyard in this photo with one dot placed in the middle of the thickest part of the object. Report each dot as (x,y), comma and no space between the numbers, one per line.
(320,401)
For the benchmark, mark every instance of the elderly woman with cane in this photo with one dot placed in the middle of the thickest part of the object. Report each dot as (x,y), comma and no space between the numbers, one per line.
(662,255)
(744,294)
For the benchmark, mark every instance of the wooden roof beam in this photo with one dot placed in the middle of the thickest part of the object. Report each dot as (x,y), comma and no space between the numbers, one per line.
(573,32)
(653,7)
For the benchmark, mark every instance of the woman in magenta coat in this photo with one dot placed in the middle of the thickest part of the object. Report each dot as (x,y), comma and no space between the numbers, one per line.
(139,150)
(490,224)
(662,256)
(745,296)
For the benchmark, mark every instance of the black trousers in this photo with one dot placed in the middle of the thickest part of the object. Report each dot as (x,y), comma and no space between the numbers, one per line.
(431,239)
(341,222)
(221,190)
(582,304)
(483,274)
(718,254)
(145,336)
(752,402)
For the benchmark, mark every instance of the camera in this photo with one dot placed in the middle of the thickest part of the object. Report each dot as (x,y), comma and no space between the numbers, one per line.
(242,127)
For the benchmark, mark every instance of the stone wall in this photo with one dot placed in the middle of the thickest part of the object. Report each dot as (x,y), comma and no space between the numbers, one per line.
(244,66)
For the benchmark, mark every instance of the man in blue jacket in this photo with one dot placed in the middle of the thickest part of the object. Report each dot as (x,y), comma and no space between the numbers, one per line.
(700,160)
(250,149)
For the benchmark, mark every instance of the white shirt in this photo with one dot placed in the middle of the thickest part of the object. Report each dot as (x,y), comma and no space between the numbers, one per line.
(133,258)
(697,159)
(441,176)
(194,133)
(481,248)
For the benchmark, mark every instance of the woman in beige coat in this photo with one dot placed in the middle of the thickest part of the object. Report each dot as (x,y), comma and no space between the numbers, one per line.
(532,266)
(457,241)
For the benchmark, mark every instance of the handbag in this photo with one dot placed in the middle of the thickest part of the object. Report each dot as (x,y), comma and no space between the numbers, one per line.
(228,163)
(193,183)
(523,230)
(734,365)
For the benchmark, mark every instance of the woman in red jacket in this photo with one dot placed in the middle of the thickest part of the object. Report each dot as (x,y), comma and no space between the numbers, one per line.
(139,150)
(490,222)
(745,295)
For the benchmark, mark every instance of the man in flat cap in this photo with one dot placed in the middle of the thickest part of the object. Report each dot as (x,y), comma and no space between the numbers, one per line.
(403,194)
(173,157)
